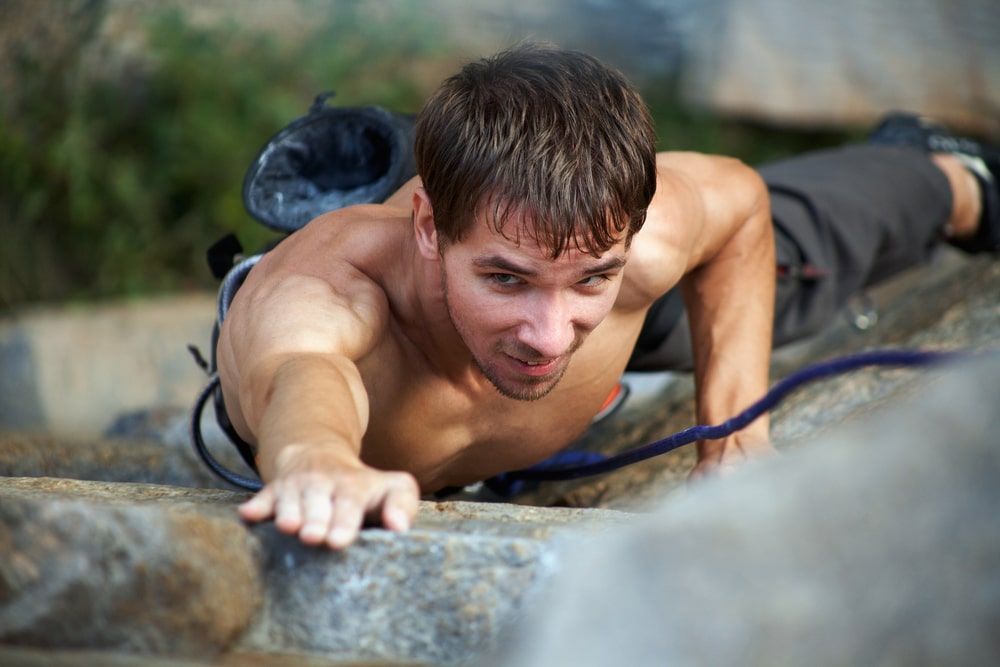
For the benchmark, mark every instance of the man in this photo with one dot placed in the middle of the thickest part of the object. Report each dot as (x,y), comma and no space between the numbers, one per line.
(475,322)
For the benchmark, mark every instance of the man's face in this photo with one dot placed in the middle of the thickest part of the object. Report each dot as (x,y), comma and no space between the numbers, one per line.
(522,314)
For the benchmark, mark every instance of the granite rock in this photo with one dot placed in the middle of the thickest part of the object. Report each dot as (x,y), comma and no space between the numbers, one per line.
(440,594)
(172,571)
(103,460)
(128,567)
(843,553)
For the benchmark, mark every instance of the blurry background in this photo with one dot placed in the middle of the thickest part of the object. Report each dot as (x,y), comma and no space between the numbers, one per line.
(126,125)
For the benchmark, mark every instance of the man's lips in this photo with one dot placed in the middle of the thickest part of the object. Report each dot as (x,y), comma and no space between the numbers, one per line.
(534,368)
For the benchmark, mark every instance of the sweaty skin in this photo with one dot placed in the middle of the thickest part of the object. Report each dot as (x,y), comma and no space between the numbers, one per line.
(369,363)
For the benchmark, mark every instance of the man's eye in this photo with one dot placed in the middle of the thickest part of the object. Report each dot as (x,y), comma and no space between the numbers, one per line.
(594,281)
(505,279)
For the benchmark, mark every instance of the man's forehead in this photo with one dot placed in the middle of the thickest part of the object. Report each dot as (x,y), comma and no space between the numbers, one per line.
(519,234)
(529,257)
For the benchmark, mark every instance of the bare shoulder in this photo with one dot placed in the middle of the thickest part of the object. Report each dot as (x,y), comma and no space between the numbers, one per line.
(720,186)
(698,199)
(320,291)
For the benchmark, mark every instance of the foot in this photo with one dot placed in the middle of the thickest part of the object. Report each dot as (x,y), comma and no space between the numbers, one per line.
(982,162)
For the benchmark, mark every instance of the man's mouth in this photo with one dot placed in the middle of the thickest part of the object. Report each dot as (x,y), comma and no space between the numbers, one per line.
(534,368)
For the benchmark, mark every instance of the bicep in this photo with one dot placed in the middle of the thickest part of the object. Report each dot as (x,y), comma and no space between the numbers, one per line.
(297,317)
(306,315)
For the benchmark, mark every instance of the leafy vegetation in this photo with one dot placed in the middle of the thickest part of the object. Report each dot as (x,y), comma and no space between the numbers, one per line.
(116,184)
(118,171)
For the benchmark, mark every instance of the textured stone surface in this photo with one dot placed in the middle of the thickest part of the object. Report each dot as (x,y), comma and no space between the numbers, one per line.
(879,546)
(25,657)
(441,594)
(428,596)
(107,460)
(136,568)
(167,570)
(152,446)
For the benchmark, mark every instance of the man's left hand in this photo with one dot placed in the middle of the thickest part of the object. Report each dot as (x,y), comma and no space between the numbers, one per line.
(722,457)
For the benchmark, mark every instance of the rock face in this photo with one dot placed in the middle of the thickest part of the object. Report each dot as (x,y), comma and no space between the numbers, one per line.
(163,570)
(122,567)
(434,598)
(104,460)
(845,553)
(441,594)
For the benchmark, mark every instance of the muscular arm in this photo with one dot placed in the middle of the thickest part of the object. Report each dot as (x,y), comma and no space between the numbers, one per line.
(729,296)
(728,290)
(292,344)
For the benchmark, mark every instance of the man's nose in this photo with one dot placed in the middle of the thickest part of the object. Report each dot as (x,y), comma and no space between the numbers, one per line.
(548,327)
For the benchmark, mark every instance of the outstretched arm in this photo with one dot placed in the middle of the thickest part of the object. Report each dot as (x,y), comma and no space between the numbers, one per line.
(303,400)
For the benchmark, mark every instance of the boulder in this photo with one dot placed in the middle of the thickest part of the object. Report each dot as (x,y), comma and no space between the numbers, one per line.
(879,545)
(441,594)
(148,569)
(137,568)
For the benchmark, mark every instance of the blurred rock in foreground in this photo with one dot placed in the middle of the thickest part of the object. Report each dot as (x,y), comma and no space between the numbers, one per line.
(879,546)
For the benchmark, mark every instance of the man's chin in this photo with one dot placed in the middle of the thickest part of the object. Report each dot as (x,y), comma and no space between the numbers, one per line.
(525,389)
(526,392)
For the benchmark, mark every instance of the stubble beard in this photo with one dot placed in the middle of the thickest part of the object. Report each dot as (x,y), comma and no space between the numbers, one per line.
(532,389)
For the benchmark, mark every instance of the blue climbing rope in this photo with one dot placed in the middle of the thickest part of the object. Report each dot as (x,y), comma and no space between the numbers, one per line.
(576,464)
(596,464)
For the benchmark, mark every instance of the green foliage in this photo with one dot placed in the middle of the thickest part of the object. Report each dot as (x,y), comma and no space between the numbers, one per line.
(119,168)
(115,184)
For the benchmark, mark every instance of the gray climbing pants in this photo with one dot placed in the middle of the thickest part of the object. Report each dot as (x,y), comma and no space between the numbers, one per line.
(843,219)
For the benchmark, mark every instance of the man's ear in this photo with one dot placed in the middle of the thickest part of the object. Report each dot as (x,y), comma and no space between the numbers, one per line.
(423,225)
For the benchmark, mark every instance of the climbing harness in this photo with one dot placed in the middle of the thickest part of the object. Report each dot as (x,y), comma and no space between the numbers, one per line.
(576,464)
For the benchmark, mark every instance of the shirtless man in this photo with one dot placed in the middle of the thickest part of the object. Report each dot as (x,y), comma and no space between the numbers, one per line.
(475,322)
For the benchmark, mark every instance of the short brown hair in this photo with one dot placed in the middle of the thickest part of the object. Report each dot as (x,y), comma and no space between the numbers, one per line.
(553,133)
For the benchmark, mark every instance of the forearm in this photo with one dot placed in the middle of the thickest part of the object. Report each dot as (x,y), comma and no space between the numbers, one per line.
(312,405)
(730,302)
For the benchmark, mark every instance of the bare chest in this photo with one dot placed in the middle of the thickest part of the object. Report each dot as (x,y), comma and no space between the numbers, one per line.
(421,422)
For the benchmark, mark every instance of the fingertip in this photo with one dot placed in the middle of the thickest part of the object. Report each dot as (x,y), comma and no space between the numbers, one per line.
(312,533)
(340,538)
(288,524)
(254,509)
(396,519)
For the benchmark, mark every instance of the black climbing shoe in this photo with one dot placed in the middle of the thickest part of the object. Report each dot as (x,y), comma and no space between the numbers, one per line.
(330,158)
(982,160)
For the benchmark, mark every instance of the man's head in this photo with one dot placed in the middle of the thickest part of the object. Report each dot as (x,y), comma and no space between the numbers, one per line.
(537,165)
(550,134)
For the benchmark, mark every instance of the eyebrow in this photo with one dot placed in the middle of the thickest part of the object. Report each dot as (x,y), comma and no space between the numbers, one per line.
(504,264)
